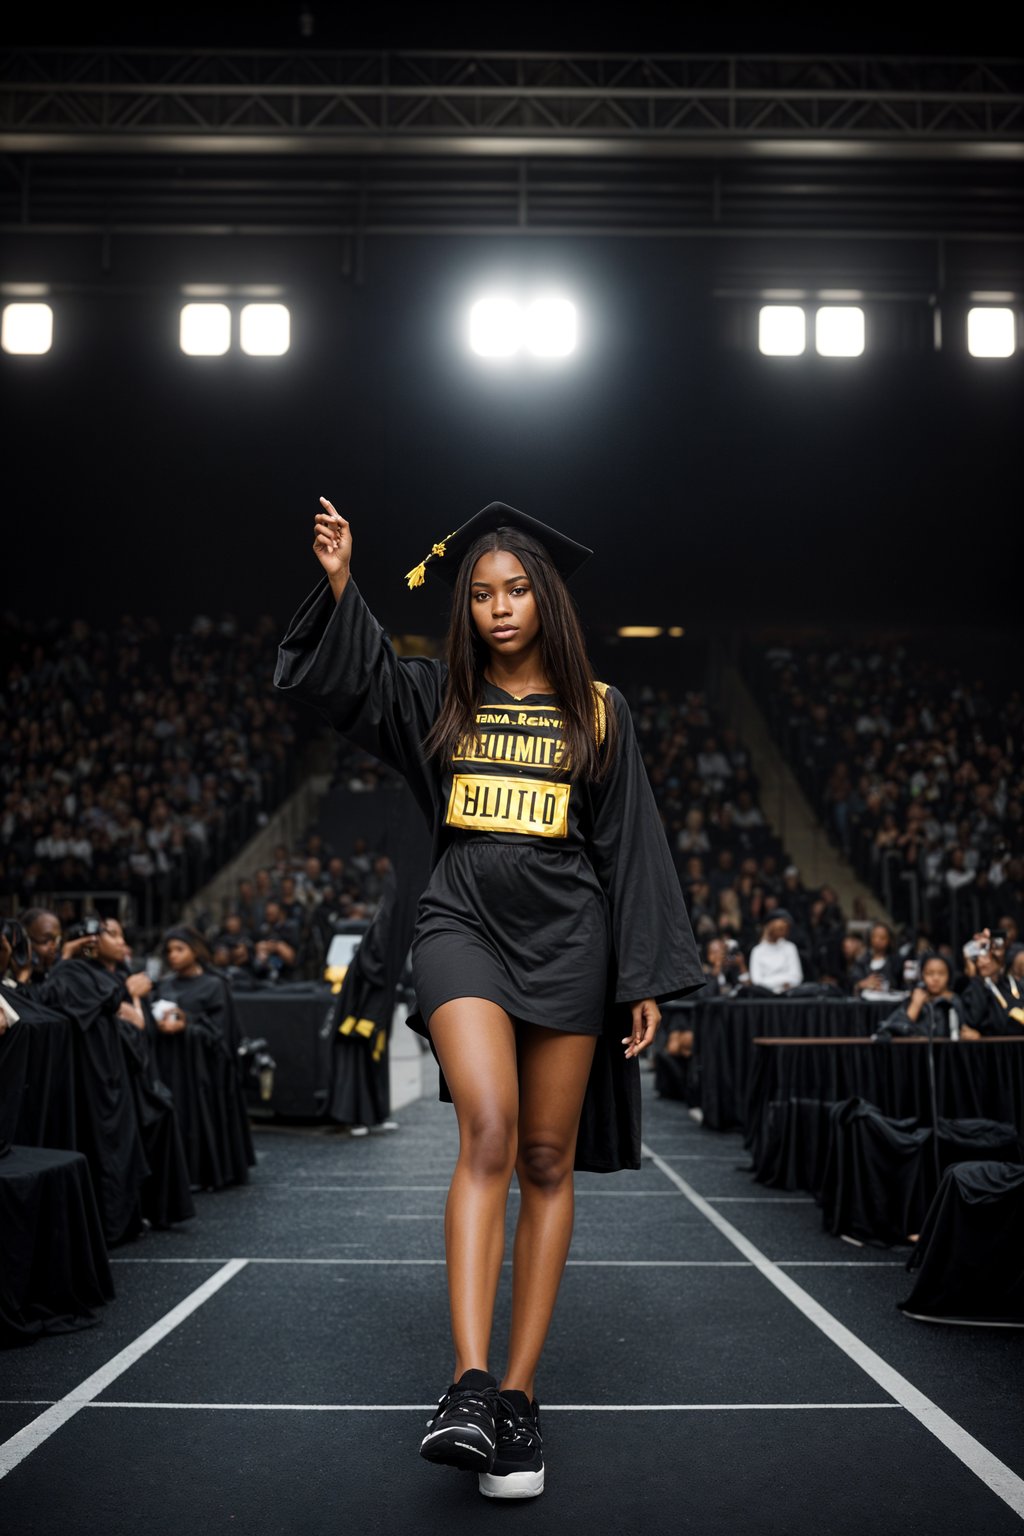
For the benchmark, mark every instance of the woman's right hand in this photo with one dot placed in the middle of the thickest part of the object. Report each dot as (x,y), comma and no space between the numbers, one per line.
(332,545)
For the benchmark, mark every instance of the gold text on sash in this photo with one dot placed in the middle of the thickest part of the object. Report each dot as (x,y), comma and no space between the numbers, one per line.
(492,803)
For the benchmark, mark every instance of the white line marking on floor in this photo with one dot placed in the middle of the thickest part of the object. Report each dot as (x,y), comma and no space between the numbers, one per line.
(994,1473)
(577,1263)
(759,1199)
(376,1189)
(551,1407)
(506,1263)
(28,1439)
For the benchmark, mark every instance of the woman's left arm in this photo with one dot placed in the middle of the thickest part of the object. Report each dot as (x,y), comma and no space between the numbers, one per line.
(656,955)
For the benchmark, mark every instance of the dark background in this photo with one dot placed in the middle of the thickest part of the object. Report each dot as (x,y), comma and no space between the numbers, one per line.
(716,486)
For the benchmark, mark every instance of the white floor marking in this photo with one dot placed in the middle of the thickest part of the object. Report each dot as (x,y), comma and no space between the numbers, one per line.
(580,1263)
(432,1407)
(759,1199)
(1003,1482)
(376,1189)
(28,1439)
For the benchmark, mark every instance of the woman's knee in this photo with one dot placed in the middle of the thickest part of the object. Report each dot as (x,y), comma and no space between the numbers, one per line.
(545,1163)
(488,1143)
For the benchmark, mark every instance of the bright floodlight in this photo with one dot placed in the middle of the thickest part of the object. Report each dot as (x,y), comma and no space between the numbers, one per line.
(781,330)
(26,328)
(551,328)
(839,330)
(991,332)
(205,329)
(495,328)
(265,330)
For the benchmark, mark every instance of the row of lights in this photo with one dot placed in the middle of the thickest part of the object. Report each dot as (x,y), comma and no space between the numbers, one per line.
(500,328)
(204,330)
(839,330)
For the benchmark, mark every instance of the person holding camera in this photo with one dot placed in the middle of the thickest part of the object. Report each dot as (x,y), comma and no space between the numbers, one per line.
(993,1000)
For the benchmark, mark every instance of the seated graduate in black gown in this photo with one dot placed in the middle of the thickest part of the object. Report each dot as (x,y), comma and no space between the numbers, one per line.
(993,999)
(46,1111)
(165,1195)
(932,1007)
(197,1037)
(106,1126)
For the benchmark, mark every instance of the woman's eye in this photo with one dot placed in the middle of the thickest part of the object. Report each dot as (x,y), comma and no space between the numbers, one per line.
(519,589)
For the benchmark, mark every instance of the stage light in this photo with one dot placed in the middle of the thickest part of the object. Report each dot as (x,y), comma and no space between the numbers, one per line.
(839,330)
(495,328)
(991,332)
(781,330)
(27,328)
(205,329)
(265,329)
(639,631)
(677,631)
(551,327)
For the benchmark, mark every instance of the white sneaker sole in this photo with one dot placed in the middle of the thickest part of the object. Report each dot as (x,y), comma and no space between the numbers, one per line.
(513,1485)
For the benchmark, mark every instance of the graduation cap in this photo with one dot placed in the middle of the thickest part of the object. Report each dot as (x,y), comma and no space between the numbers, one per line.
(448,554)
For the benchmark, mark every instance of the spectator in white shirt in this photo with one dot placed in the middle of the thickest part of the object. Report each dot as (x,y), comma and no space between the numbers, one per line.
(775,962)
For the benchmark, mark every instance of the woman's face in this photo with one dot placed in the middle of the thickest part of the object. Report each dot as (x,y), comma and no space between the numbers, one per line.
(110,946)
(179,955)
(935,975)
(879,939)
(503,605)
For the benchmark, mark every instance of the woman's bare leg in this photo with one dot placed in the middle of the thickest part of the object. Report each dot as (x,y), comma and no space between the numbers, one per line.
(554,1067)
(476,1046)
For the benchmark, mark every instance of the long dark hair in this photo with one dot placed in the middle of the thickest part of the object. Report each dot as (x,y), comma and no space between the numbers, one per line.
(563,656)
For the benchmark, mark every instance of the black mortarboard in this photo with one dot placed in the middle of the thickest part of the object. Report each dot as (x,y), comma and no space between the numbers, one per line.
(448,554)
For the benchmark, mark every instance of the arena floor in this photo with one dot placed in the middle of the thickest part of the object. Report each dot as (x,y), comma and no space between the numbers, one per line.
(716,1364)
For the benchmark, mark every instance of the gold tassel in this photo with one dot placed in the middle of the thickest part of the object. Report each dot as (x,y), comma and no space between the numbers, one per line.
(418,575)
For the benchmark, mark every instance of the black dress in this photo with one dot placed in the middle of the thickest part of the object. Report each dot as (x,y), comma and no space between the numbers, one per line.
(557,900)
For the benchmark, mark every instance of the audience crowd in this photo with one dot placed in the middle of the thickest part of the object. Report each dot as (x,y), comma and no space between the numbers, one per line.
(135,758)
(916,767)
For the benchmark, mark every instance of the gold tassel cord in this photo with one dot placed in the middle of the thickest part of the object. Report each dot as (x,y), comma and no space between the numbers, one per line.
(417,576)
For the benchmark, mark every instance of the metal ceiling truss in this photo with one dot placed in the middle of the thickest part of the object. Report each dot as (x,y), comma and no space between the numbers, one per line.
(250,195)
(270,102)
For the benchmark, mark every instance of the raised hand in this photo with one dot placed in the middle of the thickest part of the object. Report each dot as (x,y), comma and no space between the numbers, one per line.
(332,545)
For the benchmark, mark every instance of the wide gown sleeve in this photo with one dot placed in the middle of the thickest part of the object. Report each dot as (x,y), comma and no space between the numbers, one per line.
(656,954)
(336,657)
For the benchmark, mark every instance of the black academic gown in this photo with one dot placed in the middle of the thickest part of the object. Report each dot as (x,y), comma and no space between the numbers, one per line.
(106,1125)
(198,1064)
(46,1114)
(336,657)
(165,1195)
(360,1090)
(997,1009)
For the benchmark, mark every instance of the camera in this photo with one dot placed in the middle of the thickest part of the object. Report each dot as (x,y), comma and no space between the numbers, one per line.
(85,928)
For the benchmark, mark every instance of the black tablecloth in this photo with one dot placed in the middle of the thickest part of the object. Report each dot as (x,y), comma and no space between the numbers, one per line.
(970,1256)
(725,1030)
(973,1079)
(53,1259)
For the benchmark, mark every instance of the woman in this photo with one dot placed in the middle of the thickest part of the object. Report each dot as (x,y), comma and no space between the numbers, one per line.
(935,992)
(879,969)
(165,1195)
(197,1037)
(552,899)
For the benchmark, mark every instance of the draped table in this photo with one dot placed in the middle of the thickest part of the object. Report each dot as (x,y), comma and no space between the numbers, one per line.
(973,1079)
(725,1030)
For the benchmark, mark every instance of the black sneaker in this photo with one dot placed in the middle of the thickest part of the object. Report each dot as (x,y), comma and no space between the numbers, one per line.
(462,1432)
(518,1470)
